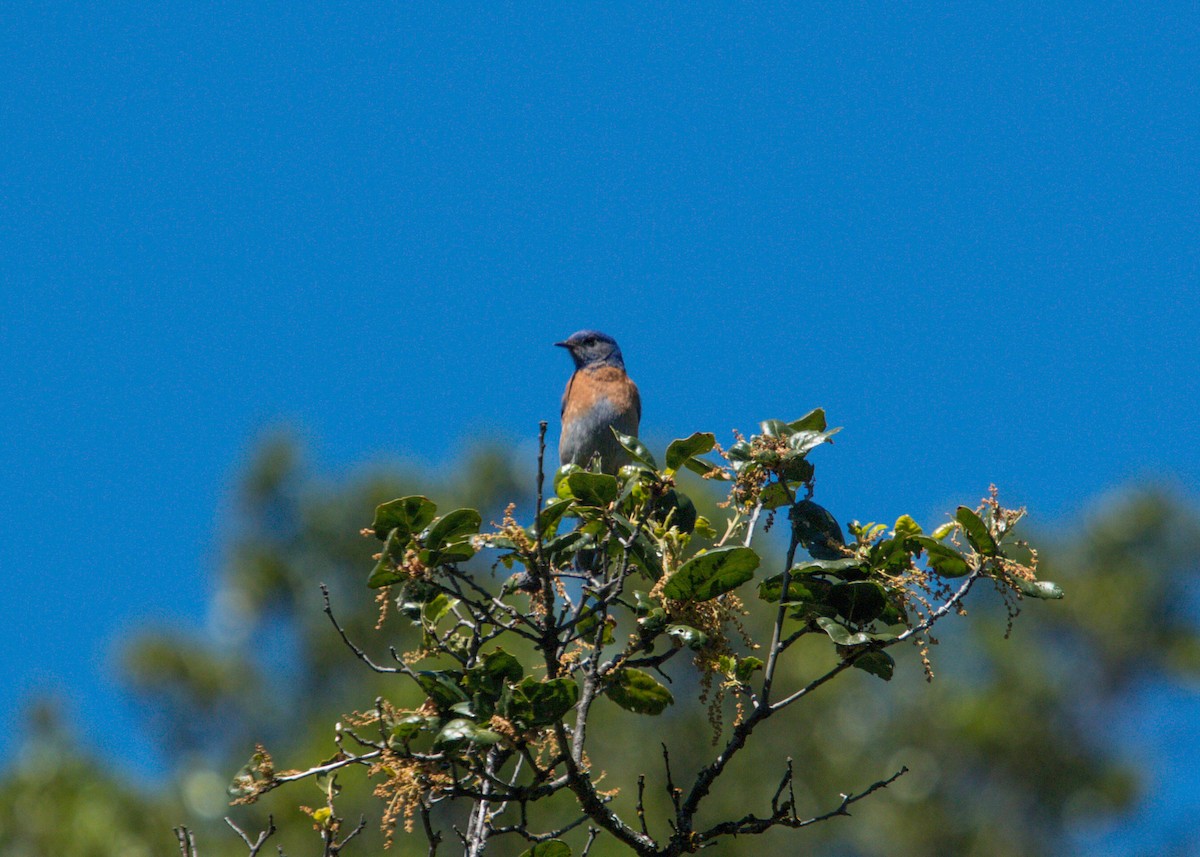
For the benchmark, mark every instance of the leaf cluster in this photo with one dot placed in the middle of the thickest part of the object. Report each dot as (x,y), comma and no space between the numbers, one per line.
(613,578)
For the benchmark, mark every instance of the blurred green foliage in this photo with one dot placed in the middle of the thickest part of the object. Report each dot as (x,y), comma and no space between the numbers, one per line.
(56,799)
(1009,748)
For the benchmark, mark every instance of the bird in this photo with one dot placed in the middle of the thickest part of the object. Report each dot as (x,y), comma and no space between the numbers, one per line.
(599,397)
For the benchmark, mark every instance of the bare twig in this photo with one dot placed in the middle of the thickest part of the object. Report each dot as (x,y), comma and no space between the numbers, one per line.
(750,526)
(522,830)
(780,615)
(347,759)
(358,653)
(673,791)
(432,836)
(478,828)
(708,775)
(511,787)
(785,782)
(791,790)
(785,817)
(332,846)
(537,511)
(595,806)
(489,605)
(641,803)
(256,845)
(187,842)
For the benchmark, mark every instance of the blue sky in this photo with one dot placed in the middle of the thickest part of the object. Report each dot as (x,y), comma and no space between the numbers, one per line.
(971,234)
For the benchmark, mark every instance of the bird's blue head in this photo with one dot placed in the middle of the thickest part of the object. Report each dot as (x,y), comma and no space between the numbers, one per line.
(593,348)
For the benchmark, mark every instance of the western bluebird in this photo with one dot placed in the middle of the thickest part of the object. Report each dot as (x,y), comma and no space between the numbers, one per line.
(599,397)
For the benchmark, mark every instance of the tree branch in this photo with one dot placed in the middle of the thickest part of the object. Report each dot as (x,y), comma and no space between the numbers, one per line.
(596,808)
(708,774)
(784,816)
(950,604)
(358,653)
(187,842)
(258,843)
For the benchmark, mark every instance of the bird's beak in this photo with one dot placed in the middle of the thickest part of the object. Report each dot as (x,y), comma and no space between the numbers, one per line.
(562,345)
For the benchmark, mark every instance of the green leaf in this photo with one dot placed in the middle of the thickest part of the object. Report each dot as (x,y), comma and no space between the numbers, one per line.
(501,543)
(803,442)
(540,703)
(801,590)
(587,626)
(593,489)
(691,637)
(461,731)
(775,428)
(448,554)
(503,666)
(654,621)
(843,636)
(442,687)
(680,451)
(836,567)
(706,468)
(417,591)
(977,532)
(892,554)
(891,615)
(746,667)
(437,608)
(549,517)
(859,602)
(906,526)
(451,527)
(796,468)
(637,450)
(876,663)
(817,530)
(774,496)
(622,527)
(567,542)
(638,692)
(486,680)
(867,532)
(560,480)
(685,510)
(1040,589)
(643,554)
(549,848)
(812,421)
(943,559)
(740,452)
(407,514)
(384,573)
(408,726)
(944,530)
(482,703)
(710,574)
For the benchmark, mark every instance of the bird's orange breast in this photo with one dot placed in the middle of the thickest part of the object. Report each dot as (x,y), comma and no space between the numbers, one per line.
(587,388)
